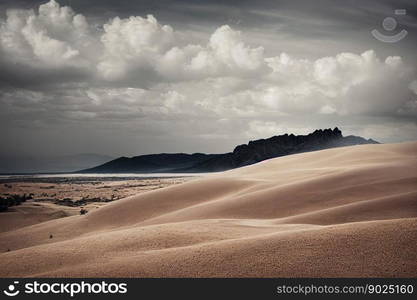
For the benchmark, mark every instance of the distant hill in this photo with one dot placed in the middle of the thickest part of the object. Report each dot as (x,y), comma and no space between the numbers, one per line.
(51,164)
(242,155)
(164,162)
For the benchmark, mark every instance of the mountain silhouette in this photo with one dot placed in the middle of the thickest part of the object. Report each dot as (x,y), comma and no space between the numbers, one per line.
(242,155)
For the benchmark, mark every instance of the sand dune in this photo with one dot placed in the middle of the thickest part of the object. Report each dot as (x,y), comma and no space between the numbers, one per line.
(348,211)
(33,213)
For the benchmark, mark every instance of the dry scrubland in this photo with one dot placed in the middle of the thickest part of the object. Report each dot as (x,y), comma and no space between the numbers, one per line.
(44,199)
(347,212)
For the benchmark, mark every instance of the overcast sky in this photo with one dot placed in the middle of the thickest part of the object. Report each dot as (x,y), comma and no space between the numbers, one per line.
(135,77)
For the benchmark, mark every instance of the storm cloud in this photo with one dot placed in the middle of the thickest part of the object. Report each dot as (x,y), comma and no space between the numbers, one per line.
(125,78)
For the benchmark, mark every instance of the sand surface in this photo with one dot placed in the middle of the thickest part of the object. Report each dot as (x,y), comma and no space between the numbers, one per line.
(344,212)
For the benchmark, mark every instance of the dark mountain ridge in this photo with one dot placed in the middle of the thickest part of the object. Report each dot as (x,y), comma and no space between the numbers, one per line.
(151,163)
(242,155)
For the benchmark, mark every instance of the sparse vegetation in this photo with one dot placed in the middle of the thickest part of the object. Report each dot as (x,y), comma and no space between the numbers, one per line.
(12,200)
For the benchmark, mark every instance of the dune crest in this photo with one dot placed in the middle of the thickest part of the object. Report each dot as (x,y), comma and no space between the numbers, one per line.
(348,211)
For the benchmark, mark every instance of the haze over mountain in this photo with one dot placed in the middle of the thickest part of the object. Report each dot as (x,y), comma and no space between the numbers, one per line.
(242,155)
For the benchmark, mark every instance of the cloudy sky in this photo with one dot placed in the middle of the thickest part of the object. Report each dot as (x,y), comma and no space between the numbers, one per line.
(133,77)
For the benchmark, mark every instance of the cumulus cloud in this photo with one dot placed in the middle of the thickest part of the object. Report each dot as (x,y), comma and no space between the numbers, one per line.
(137,44)
(227,51)
(54,36)
(134,43)
(347,83)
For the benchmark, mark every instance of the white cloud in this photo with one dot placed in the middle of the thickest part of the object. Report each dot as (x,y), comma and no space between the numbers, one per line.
(53,37)
(226,49)
(138,44)
(347,83)
(131,44)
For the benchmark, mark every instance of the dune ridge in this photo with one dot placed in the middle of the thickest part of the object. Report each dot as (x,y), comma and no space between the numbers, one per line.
(340,212)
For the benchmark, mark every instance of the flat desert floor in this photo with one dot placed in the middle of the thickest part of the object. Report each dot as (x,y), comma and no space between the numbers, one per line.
(58,197)
(344,212)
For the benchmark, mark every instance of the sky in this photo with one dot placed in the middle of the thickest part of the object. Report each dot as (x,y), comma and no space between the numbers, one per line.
(136,77)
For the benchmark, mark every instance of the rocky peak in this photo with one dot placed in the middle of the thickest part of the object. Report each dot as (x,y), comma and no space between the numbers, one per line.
(335,133)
